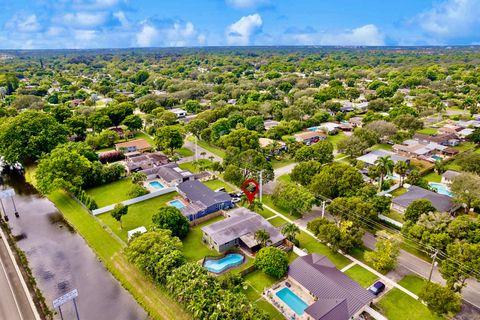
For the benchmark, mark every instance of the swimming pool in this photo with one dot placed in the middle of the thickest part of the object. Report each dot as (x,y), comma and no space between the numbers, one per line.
(292,300)
(156,185)
(220,265)
(437,158)
(176,203)
(441,188)
(313,129)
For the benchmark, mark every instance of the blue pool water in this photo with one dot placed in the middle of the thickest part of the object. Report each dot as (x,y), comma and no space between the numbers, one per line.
(177,204)
(312,129)
(156,185)
(292,300)
(437,158)
(441,188)
(218,266)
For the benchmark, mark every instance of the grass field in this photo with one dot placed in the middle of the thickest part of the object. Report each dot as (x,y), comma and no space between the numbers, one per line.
(336,138)
(413,283)
(433,177)
(397,305)
(395,216)
(193,247)
(398,192)
(267,200)
(184,152)
(217,151)
(429,131)
(464,146)
(139,214)
(312,245)
(383,146)
(285,178)
(364,277)
(191,166)
(277,221)
(111,193)
(216,184)
(282,163)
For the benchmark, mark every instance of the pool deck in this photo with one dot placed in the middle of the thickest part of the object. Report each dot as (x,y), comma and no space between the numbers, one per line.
(151,188)
(282,307)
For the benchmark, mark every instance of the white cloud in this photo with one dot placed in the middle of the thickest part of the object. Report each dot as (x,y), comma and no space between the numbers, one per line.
(120,15)
(23,23)
(177,35)
(451,18)
(242,4)
(85,35)
(367,35)
(146,36)
(84,19)
(239,33)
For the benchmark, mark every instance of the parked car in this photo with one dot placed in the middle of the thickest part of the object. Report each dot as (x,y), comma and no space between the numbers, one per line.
(235,200)
(377,288)
(220,189)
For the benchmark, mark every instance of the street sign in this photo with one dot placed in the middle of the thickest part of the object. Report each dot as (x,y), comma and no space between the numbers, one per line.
(65,298)
(7,193)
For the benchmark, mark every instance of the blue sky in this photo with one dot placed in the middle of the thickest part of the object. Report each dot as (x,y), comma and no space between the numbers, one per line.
(27,24)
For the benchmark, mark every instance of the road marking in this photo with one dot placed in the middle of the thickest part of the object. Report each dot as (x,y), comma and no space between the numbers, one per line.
(11,289)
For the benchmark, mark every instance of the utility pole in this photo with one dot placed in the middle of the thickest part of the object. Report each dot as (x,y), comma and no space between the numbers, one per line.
(323,208)
(434,257)
(196,148)
(261,183)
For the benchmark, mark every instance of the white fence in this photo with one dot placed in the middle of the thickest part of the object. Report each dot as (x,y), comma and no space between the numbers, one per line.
(135,200)
(389,220)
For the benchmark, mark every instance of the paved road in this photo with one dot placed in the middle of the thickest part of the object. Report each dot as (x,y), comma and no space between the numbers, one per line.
(14,301)
(191,145)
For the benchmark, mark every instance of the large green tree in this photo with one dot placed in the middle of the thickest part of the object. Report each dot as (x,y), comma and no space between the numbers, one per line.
(336,179)
(387,250)
(417,208)
(292,197)
(466,190)
(172,219)
(321,151)
(27,136)
(273,261)
(118,212)
(385,166)
(66,167)
(304,172)
(169,138)
(440,300)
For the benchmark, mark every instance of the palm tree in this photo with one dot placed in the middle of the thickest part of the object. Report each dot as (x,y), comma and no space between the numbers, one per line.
(255,206)
(290,231)
(263,237)
(385,166)
(401,168)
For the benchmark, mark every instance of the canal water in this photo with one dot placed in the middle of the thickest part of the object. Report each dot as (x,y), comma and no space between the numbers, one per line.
(62,261)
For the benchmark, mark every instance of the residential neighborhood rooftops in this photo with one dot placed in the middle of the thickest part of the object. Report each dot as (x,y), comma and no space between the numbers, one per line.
(309,135)
(450,174)
(196,191)
(372,156)
(338,296)
(241,223)
(442,203)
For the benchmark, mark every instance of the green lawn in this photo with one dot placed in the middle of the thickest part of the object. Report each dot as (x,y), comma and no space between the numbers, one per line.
(111,193)
(143,135)
(154,299)
(433,177)
(313,245)
(336,138)
(397,305)
(413,283)
(184,152)
(277,221)
(285,178)
(215,150)
(364,277)
(395,215)
(193,247)
(216,184)
(191,166)
(464,146)
(383,146)
(398,192)
(139,214)
(265,213)
(429,131)
(282,163)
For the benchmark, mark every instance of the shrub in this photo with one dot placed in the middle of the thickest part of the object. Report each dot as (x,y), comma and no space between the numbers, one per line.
(272,261)
(137,191)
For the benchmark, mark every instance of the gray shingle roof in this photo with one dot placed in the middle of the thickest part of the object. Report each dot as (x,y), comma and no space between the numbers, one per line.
(339,297)
(442,203)
(196,191)
(240,222)
(450,174)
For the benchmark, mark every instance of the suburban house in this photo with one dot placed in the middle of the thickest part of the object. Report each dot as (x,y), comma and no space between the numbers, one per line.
(265,142)
(442,203)
(356,121)
(202,200)
(180,113)
(370,158)
(310,137)
(423,150)
(269,124)
(138,145)
(336,296)
(169,173)
(448,176)
(145,161)
(329,127)
(238,229)
(448,139)
(449,129)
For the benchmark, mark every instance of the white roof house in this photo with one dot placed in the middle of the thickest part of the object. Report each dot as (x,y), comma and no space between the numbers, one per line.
(180,113)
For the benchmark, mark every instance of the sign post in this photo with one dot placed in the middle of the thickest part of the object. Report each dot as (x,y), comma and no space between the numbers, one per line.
(72,295)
